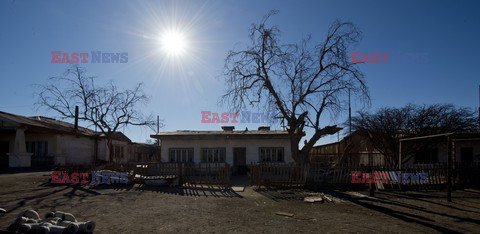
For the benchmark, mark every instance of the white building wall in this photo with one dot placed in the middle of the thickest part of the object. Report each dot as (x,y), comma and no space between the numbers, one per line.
(252,147)
(77,150)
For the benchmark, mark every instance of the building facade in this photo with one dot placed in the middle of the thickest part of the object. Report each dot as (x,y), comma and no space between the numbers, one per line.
(237,148)
(44,142)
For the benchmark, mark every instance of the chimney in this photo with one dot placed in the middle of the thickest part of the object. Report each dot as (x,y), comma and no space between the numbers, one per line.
(76,118)
(264,128)
(228,128)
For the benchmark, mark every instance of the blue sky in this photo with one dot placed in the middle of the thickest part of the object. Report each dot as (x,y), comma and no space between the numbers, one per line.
(446,32)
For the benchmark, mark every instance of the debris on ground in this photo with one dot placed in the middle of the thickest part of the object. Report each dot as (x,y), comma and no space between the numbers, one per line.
(320,197)
(281,213)
(238,188)
(313,199)
(29,221)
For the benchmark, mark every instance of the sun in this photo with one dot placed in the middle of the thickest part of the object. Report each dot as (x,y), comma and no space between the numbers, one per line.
(173,43)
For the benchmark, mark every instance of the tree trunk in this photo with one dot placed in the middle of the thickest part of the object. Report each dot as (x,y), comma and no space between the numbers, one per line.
(110,148)
(294,150)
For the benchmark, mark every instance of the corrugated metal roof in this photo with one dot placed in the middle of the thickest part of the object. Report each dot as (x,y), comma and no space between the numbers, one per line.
(213,134)
(44,123)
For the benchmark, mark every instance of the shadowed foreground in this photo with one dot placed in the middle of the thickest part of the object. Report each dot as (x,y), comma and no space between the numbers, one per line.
(139,209)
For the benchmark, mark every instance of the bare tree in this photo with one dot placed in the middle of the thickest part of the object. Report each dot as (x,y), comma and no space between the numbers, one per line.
(387,126)
(297,81)
(107,108)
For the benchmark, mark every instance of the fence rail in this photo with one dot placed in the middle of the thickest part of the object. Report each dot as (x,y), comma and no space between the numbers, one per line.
(285,175)
(186,173)
(419,176)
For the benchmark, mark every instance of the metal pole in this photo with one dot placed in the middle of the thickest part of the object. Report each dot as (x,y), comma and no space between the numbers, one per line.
(96,135)
(400,156)
(349,113)
(338,148)
(158,130)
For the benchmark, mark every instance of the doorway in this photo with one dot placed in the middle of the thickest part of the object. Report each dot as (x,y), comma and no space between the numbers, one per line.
(466,155)
(239,161)
(4,150)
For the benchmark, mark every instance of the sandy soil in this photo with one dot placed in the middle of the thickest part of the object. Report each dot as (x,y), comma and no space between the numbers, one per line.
(140,209)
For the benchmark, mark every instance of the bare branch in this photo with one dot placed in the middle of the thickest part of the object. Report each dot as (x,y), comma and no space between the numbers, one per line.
(298,81)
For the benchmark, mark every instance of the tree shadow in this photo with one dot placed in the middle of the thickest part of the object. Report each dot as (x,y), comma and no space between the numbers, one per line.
(277,194)
(199,190)
(51,191)
(376,204)
(415,197)
(193,190)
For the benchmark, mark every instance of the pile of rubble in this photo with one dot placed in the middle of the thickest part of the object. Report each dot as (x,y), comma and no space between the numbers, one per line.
(54,222)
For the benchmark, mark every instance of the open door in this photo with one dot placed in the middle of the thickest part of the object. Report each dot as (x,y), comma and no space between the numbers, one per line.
(239,161)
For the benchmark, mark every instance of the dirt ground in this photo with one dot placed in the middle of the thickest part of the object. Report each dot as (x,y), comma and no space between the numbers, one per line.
(140,209)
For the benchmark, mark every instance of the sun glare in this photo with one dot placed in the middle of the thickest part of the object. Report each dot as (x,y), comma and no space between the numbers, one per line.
(173,43)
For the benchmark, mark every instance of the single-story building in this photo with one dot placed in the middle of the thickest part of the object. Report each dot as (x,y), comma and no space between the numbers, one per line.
(44,142)
(237,148)
(353,149)
(434,148)
(143,152)
(356,149)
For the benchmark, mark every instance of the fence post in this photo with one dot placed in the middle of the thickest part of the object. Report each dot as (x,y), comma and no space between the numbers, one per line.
(180,174)
(372,188)
(449,170)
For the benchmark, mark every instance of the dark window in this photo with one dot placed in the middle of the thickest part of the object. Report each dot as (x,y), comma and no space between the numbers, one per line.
(466,155)
(118,152)
(37,148)
(213,155)
(427,155)
(271,154)
(180,155)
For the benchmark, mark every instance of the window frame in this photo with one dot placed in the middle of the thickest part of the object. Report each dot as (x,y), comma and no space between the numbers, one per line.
(181,155)
(34,147)
(271,154)
(213,155)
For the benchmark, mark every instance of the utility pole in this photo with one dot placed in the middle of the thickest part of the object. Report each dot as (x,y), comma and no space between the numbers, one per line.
(158,130)
(349,113)
(478,106)
(96,135)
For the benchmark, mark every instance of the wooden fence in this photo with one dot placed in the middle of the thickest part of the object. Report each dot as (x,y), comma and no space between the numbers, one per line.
(186,173)
(315,175)
(284,175)
(203,173)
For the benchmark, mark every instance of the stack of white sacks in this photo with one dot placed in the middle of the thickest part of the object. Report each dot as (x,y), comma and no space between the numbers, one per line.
(54,222)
